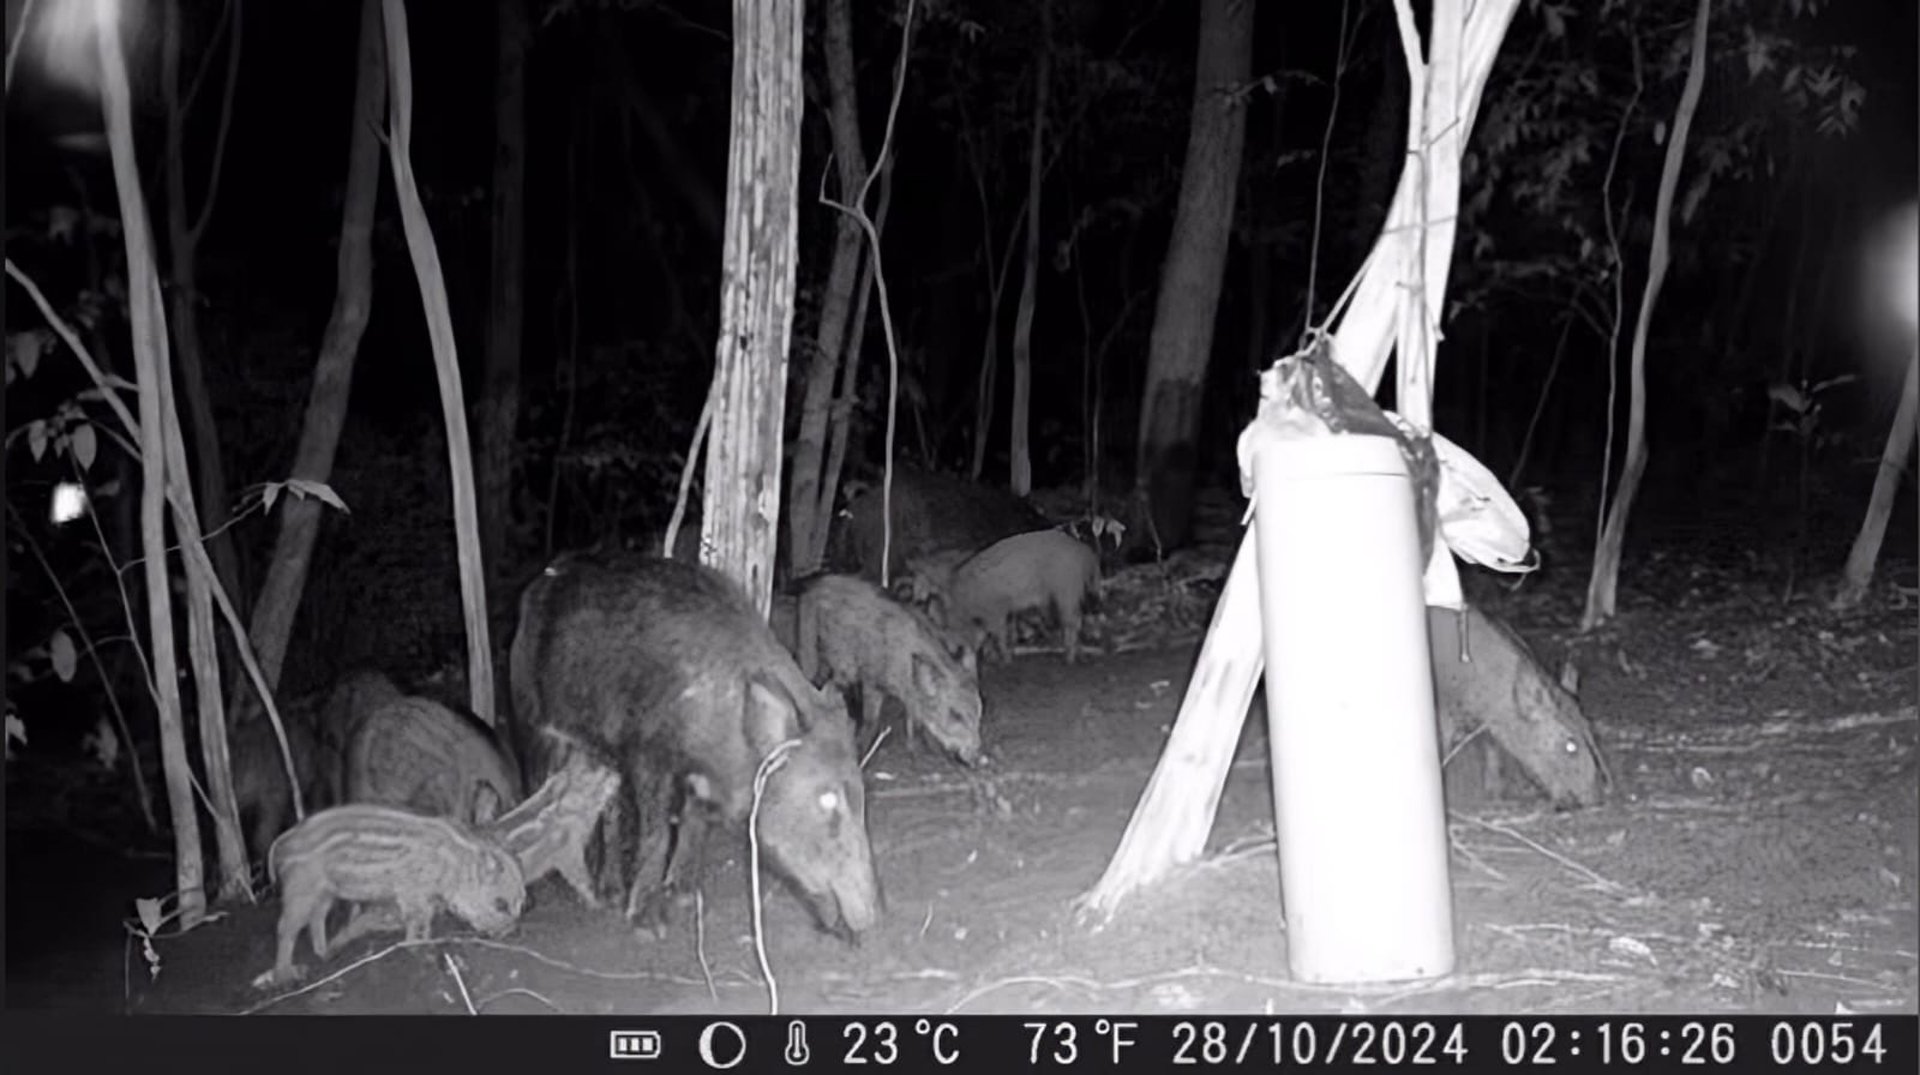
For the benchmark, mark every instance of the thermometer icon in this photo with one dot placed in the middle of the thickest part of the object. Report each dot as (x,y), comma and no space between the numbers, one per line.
(796,1053)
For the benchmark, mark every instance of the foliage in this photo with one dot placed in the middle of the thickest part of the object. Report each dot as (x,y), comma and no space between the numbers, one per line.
(1801,408)
(619,464)
(1121,86)
(1113,102)
(1544,142)
(57,433)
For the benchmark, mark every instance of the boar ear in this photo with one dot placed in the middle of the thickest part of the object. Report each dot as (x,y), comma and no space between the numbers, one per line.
(486,804)
(1570,676)
(771,714)
(700,787)
(924,672)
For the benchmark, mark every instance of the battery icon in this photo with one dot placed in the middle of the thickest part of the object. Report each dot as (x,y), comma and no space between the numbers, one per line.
(633,1045)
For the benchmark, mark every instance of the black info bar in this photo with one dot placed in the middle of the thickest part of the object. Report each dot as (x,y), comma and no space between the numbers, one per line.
(358,1045)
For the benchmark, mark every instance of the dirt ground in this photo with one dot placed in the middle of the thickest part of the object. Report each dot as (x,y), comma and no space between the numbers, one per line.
(1757,854)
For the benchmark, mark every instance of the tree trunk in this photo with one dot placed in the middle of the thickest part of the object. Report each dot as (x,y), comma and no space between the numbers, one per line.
(149,343)
(756,301)
(203,654)
(848,391)
(1895,265)
(446,363)
(1262,211)
(984,390)
(568,374)
(1886,486)
(990,347)
(1089,399)
(1603,586)
(1182,340)
(183,241)
(807,525)
(1019,457)
(506,308)
(279,599)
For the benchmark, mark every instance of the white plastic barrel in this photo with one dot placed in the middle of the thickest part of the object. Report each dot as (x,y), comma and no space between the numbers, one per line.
(1356,762)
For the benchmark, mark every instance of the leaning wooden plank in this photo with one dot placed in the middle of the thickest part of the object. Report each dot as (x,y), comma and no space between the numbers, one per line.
(1173,817)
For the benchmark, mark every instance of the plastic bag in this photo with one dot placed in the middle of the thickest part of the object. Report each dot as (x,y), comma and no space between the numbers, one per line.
(1308,394)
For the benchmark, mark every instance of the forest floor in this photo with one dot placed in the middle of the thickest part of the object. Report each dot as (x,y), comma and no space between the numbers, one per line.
(1758,853)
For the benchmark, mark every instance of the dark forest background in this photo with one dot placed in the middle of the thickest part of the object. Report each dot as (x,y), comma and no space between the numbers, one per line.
(1805,139)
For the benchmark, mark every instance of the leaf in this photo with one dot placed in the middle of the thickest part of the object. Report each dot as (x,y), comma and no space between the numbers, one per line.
(269,493)
(1787,396)
(318,490)
(65,658)
(62,222)
(25,348)
(1556,20)
(37,438)
(1696,192)
(1759,56)
(88,308)
(102,744)
(84,446)
(151,917)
